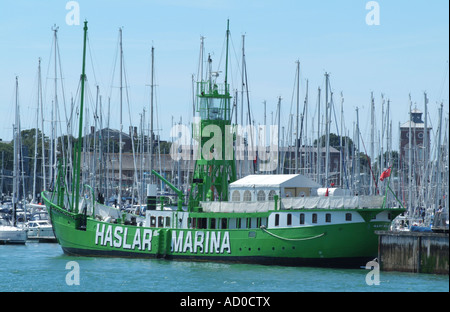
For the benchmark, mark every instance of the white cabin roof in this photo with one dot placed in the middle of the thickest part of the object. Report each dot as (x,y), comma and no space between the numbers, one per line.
(275,181)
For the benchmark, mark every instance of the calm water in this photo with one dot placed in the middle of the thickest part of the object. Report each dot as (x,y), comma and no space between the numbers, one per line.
(42,267)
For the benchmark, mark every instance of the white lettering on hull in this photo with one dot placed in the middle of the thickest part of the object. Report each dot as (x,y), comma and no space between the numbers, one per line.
(194,242)
(104,236)
(202,242)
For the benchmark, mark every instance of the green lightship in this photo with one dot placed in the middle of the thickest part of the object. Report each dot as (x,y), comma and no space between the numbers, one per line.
(261,219)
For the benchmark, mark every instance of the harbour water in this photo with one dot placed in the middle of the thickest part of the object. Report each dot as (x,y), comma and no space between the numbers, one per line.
(41,267)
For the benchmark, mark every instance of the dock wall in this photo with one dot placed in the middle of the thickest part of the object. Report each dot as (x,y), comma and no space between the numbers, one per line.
(413,252)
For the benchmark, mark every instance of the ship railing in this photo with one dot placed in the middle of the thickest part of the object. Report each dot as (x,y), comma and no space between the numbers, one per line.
(332,202)
(313,202)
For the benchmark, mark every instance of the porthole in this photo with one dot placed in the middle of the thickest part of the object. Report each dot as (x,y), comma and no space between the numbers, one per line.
(348,217)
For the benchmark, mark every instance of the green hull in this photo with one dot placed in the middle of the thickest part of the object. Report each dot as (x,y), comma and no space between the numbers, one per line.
(337,244)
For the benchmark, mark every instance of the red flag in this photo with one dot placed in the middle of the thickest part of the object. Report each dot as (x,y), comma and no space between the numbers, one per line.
(385,174)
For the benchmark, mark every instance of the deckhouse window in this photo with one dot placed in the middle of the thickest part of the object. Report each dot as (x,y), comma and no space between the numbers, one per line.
(314,218)
(236,196)
(261,195)
(271,194)
(247,196)
(328,217)
(302,218)
(289,219)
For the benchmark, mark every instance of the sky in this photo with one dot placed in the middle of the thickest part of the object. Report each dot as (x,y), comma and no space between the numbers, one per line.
(404,54)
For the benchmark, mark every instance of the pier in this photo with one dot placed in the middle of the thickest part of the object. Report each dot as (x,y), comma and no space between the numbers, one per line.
(416,252)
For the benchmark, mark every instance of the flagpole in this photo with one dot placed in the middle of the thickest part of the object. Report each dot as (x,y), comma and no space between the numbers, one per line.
(386,192)
(388,187)
(396,197)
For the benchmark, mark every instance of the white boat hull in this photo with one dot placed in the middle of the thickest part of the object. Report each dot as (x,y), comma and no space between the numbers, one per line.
(12,235)
(42,234)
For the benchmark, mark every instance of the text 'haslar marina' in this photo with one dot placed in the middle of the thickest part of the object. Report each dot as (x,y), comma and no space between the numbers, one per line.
(212,242)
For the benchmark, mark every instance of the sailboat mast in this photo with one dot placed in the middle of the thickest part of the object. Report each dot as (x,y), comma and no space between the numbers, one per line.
(319,153)
(119,199)
(296,118)
(151,110)
(437,198)
(425,151)
(358,151)
(341,158)
(280,163)
(44,179)
(327,131)
(16,151)
(36,136)
(77,166)
(410,208)
(372,137)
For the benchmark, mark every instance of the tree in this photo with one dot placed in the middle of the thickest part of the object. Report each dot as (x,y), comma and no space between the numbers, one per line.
(7,150)
(335,142)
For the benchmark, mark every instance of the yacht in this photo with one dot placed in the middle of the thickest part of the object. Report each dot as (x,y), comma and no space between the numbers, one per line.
(10,234)
(41,231)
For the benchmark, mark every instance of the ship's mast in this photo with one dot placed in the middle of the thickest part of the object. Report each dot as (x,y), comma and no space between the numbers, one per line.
(77,164)
(215,163)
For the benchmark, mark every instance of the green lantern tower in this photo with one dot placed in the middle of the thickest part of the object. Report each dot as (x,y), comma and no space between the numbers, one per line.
(215,163)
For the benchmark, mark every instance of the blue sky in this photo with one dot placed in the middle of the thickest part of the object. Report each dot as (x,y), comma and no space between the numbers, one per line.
(406,53)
